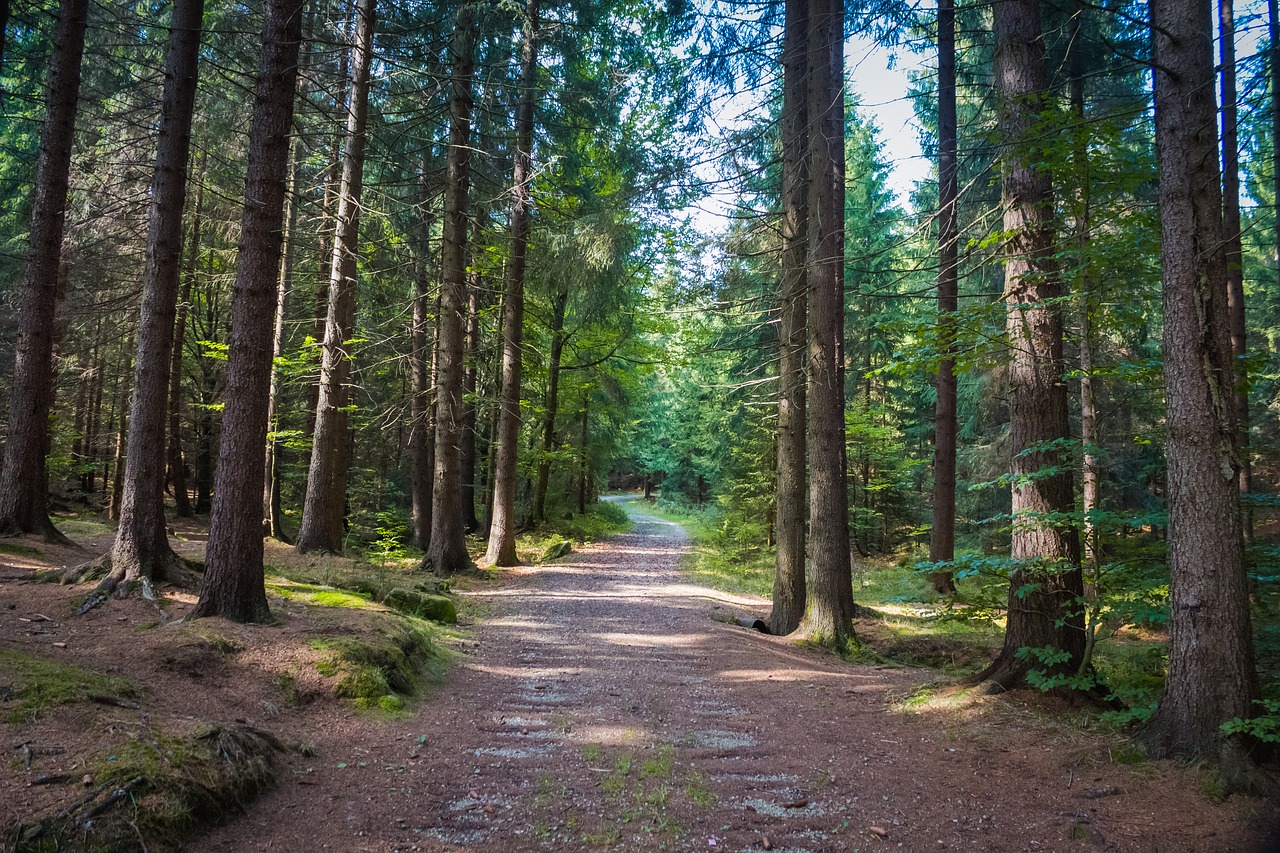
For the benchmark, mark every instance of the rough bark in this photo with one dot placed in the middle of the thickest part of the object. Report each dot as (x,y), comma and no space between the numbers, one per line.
(447,551)
(471,356)
(501,549)
(142,547)
(942,539)
(1211,676)
(1045,586)
(177,463)
(24,486)
(233,585)
(421,437)
(789,519)
(1234,252)
(829,615)
(324,509)
(543,481)
(272,511)
(123,405)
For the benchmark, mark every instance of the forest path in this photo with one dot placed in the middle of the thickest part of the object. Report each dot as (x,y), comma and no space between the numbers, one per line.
(607,705)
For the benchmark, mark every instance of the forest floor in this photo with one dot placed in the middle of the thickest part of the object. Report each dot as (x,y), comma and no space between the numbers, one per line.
(599,703)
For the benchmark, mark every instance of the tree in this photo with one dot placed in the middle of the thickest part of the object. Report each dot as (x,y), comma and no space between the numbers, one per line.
(830,609)
(789,578)
(942,539)
(501,550)
(1045,585)
(1211,677)
(233,585)
(322,513)
(24,480)
(447,551)
(141,549)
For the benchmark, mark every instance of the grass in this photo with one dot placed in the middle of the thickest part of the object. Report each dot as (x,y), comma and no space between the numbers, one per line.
(38,684)
(382,669)
(600,521)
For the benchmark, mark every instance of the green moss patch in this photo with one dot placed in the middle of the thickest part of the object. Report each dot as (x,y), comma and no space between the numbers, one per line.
(158,789)
(32,685)
(381,669)
(422,597)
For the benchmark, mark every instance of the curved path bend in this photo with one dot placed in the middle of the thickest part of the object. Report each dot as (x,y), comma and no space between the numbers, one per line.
(604,704)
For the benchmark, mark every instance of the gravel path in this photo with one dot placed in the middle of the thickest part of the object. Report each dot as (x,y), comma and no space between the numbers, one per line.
(602,704)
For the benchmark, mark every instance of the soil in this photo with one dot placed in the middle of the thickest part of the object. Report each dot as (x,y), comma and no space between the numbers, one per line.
(602,703)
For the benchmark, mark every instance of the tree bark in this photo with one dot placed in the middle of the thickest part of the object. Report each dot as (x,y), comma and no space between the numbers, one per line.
(233,586)
(323,511)
(421,437)
(789,519)
(177,464)
(942,539)
(24,485)
(123,407)
(470,359)
(501,549)
(447,551)
(830,612)
(142,547)
(1046,585)
(1211,677)
(543,481)
(1234,251)
(584,470)
(272,511)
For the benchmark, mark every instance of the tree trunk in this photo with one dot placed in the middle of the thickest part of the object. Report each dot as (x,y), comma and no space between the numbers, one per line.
(543,481)
(584,470)
(447,551)
(421,438)
(789,520)
(323,511)
(1211,677)
(1046,585)
(830,612)
(233,582)
(470,358)
(177,464)
(1234,252)
(142,547)
(501,550)
(24,485)
(942,539)
(124,405)
(272,512)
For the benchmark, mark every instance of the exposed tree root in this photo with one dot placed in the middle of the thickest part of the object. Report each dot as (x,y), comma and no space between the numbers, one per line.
(123,582)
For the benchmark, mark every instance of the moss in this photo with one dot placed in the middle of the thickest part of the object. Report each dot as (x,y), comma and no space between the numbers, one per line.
(379,670)
(18,550)
(157,790)
(320,596)
(437,608)
(37,684)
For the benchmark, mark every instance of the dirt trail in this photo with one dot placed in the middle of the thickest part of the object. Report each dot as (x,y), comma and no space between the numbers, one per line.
(602,706)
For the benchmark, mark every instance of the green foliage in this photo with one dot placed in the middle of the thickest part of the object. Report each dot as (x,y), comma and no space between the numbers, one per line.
(1264,727)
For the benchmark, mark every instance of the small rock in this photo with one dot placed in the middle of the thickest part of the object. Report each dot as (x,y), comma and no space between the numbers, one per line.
(766,843)
(878,831)
(87,780)
(59,645)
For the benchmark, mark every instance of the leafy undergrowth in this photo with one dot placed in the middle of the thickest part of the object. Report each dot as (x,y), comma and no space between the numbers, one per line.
(156,790)
(33,685)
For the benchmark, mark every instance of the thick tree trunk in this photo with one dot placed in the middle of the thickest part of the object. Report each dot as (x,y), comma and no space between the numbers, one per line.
(501,550)
(789,518)
(177,463)
(447,551)
(323,512)
(942,539)
(24,485)
(584,469)
(830,612)
(1211,676)
(1046,585)
(421,437)
(543,481)
(1234,252)
(470,359)
(142,543)
(233,585)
